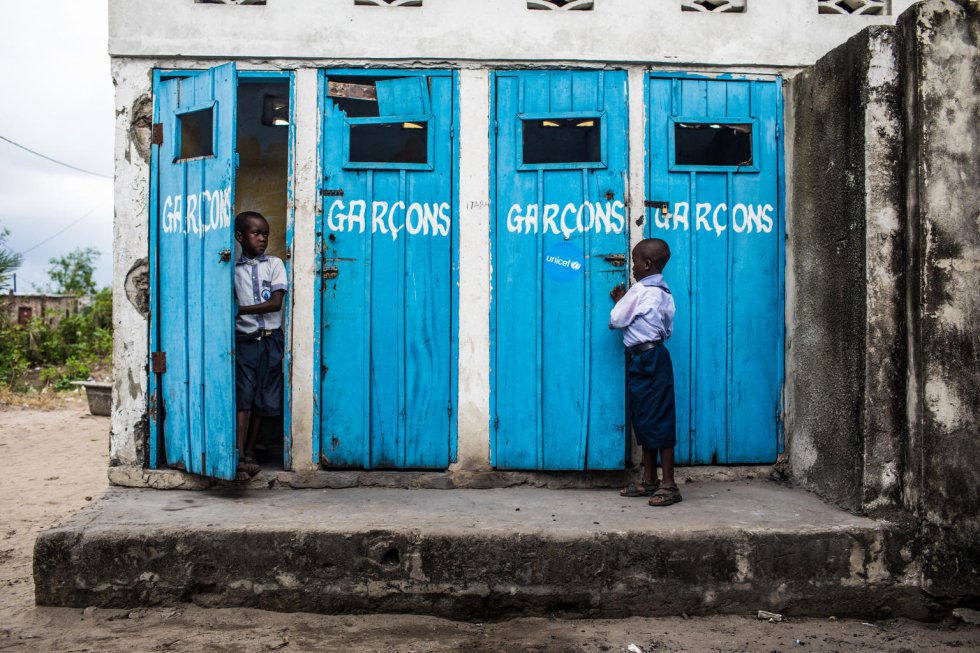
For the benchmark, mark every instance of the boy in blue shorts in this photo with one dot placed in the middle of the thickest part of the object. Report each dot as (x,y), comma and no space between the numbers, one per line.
(645,314)
(260,284)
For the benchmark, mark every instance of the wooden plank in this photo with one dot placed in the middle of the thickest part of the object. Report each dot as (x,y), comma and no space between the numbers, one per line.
(517,375)
(172,308)
(352,91)
(217,279)
(607,435)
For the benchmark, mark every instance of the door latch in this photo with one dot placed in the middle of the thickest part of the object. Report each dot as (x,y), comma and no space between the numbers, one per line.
(619,260)
(331,272)
(656,204)
(224,255)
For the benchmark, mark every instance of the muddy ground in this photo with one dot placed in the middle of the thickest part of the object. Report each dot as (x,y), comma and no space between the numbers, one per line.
(55,460)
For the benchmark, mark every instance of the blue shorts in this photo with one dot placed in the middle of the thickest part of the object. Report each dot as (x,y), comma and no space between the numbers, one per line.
(650,379)
(258,374)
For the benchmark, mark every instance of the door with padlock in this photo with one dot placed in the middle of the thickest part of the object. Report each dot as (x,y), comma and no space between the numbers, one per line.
(560,243)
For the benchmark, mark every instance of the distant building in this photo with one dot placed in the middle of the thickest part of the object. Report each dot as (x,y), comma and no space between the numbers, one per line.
(21,309)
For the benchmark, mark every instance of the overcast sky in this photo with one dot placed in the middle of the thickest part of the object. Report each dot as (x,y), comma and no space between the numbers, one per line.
(56,98)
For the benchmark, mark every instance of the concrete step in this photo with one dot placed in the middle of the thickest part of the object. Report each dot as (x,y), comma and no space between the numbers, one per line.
(479,554)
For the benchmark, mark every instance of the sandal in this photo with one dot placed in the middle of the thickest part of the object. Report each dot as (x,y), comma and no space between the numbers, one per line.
(246,469)
(641,489)
(665,496)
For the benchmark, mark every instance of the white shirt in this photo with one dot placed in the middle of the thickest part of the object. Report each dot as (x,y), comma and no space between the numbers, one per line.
(255,281)
(645,313)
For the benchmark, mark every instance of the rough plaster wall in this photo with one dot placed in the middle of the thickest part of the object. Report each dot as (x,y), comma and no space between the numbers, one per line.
(885,359)
(128,425)
(303,412)
(827,250)
(942,96)
(473,422)
(772,32)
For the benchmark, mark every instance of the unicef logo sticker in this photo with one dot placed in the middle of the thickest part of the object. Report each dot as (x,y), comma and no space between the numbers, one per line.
(266,294)
(563,262)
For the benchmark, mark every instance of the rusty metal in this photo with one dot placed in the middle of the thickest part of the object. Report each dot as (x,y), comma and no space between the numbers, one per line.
(610,195)
(656,204)
(330,273)
(352,91)
(225,255)
(156,134)
(332,192)
(159,362)
(619,260)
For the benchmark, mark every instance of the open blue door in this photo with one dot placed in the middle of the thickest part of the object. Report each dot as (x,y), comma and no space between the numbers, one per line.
(714,196)
(560,244)
(192,272)
(387,296)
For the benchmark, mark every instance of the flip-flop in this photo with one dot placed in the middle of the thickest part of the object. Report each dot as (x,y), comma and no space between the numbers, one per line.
(665,496)
(641,489)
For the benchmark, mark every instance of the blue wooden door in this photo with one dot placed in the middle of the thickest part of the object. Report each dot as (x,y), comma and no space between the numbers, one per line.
(192,316)
(388,270)
(714,185)
(560,243)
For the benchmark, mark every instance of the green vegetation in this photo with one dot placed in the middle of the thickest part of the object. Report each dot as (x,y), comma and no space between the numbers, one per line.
(9,260)
(40,354)
(73,273)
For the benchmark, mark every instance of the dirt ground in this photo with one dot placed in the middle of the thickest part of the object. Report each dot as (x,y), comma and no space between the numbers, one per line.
(55,461)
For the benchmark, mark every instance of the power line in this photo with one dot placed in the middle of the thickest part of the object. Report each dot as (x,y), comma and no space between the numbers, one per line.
(63,229)
(61,163)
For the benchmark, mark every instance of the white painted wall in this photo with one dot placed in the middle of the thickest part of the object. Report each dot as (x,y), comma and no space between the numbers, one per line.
(770,33)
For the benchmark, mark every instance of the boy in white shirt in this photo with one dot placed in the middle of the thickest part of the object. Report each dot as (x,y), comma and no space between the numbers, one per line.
(645,314)
(260,284)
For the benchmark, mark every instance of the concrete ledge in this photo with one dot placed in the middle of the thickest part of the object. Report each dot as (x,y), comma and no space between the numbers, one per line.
(728,548)
(173,479)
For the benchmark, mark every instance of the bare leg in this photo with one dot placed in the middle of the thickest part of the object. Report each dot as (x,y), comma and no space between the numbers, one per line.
(254,426)
(241,429)
(649,465)
(667,462)
(243,471)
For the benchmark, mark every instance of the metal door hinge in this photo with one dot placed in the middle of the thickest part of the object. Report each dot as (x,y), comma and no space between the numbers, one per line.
(159,362)
(156,134)
(332,192)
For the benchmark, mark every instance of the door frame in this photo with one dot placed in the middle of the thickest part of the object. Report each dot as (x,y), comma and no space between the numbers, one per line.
(322,75)
(154,431)
(780,206)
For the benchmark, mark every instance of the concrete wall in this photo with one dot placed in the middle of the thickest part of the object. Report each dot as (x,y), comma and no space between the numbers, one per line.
(771,32)
(941,107)
(845,356)
(884,380)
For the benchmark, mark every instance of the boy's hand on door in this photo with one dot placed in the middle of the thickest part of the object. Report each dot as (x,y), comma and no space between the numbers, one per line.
(617,292)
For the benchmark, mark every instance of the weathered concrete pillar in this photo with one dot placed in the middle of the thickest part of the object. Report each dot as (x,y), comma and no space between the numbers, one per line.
(845,360)
(941,103)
